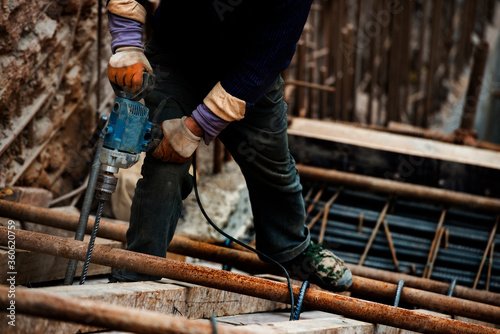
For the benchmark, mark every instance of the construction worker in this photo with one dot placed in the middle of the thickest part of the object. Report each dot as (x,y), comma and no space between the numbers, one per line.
(217,66)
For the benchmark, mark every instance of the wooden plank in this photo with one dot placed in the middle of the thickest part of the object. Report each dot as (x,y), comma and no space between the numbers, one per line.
(391,142)
(161,298)
(166,296)
(36,267)
(311,322)
(201,302)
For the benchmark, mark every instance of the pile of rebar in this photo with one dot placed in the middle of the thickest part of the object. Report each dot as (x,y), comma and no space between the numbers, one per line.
(425,239)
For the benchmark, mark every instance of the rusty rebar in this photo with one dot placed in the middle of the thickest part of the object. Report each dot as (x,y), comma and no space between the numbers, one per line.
(326,211)
(490,267)
(247,285)
(435,252)
(388,235)
(237,258)
(60,220)
(434,241)
(374,184)
(485,254)
(329,203)
(315,201)
(380,219)
(100,314)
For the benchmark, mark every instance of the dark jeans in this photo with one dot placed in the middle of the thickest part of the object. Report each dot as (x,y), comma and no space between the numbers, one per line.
(258,144)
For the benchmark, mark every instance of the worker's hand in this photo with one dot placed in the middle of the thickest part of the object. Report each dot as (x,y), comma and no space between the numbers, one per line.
(179,142)
(126,67)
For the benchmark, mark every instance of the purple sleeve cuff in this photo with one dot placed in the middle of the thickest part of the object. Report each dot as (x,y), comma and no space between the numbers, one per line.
(211,124)
(124,32)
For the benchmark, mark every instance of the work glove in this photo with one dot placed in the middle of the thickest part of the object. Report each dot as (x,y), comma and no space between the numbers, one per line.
(178,143)
(126,67)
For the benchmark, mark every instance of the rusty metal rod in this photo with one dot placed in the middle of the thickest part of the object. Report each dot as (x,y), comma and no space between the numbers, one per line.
(250,262)
(433,245)
(426,284)
(388,235)
(60,220)
(375,184)
(100,314)
(490,267)
(243,284)
(485,254)
(329,203)
(380,219)
(315,201)
(326,210)
(435,252)
(242,258)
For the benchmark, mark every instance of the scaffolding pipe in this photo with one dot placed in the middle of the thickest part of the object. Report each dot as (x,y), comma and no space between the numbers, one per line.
(375,184)
(239,283)
(241,259)
(92,313)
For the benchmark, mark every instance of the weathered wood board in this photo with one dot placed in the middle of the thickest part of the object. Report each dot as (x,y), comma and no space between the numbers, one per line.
(311,322)
(164,296)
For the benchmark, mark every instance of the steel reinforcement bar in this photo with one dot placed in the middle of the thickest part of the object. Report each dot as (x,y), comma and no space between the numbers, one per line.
(375,184)
(244,284)
(92,313)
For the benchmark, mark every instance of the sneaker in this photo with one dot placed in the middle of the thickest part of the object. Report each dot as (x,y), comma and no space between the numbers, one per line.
(321,267)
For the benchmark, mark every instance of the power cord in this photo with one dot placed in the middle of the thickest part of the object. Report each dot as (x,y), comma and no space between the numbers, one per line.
(259,253)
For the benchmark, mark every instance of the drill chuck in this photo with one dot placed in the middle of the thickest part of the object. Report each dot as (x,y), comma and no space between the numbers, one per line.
(106,182)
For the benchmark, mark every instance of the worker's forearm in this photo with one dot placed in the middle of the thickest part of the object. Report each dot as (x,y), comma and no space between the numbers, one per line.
(211,124)
(124,32)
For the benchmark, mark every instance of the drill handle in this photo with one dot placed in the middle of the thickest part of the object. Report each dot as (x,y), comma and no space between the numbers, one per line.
(156,137)
(148,82)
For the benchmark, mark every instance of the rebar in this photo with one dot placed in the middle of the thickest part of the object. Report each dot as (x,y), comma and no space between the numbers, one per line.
(488,245)
(398,293)
(88,312)
(276,291)
(381,217)
(91,243)
(374,184)
(434,241)
(188,247)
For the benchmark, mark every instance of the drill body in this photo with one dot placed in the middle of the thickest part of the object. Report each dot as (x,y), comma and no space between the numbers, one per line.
(128,133)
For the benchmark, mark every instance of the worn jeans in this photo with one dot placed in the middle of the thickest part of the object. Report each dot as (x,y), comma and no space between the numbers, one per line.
(258,144)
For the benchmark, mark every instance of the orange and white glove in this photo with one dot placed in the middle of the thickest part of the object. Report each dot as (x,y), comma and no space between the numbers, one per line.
(126,67)
(178,144)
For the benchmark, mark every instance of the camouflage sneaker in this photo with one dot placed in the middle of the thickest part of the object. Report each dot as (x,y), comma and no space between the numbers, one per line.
(321,267)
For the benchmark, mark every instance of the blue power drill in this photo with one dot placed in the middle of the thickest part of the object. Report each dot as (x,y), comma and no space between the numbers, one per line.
(127,134)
